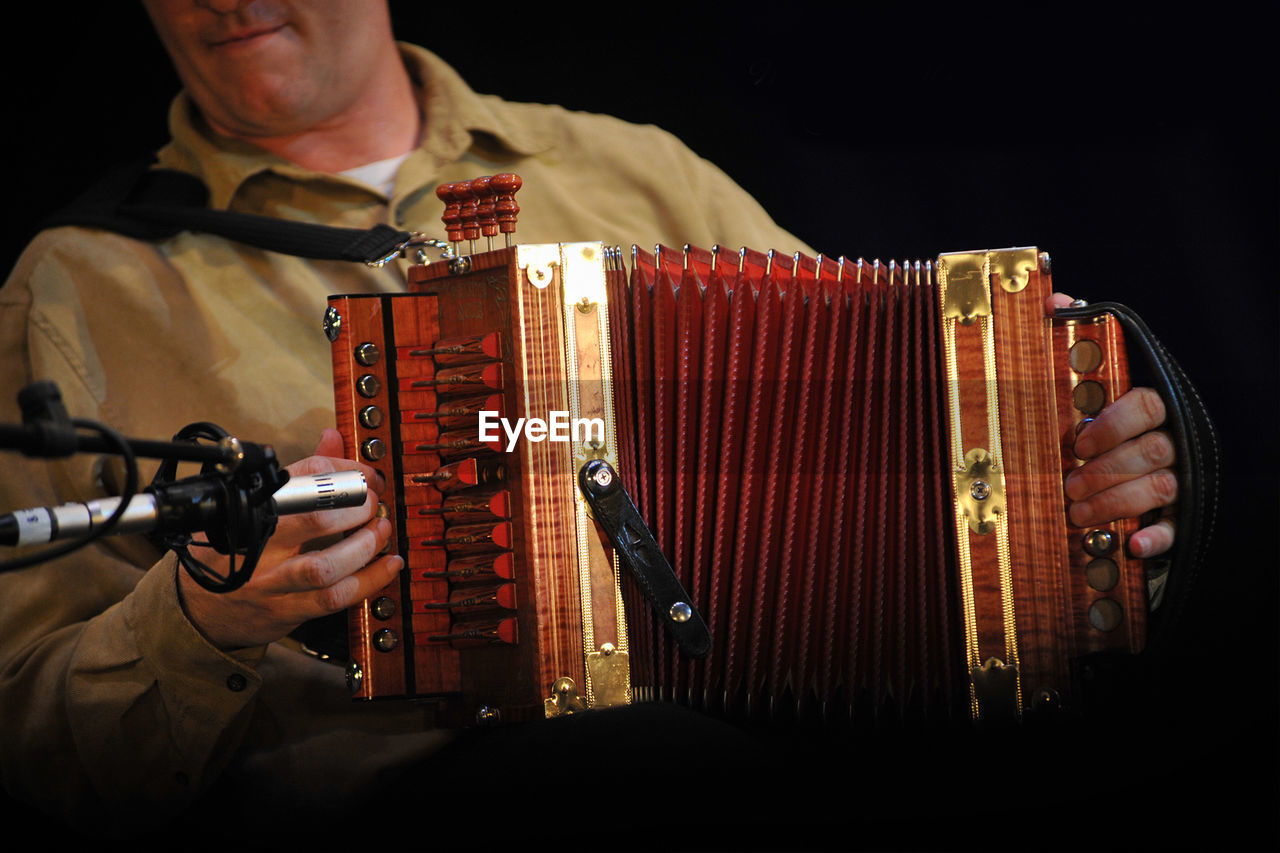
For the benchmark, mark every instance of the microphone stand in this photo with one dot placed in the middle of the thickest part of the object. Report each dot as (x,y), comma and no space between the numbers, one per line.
(243,476)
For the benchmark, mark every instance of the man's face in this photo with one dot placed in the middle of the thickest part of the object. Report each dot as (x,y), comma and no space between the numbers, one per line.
(272,67)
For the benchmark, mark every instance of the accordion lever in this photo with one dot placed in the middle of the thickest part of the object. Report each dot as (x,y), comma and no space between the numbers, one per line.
(639,552)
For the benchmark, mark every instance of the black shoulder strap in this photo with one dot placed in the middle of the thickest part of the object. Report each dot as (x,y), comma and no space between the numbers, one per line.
(139,201)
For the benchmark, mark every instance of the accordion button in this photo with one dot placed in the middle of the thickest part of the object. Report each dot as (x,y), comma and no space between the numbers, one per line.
(368,385)
(382,608)
(1102,574)
(1105,615)
(1099,543)
(371,417)
(1085,356)
(373,449)
(368,354)
(1089,397)
(385,640)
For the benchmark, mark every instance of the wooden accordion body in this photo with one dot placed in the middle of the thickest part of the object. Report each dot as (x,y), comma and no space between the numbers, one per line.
(855,470)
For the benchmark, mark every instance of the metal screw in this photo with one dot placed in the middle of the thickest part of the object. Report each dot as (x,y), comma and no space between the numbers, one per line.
(980,490)
(603,476)
(332,323)
(355,675)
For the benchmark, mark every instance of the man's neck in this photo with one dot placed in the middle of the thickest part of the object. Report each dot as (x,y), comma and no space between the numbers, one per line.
(386,123)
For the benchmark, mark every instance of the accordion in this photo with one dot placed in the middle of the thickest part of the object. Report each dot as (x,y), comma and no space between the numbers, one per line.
(763,485)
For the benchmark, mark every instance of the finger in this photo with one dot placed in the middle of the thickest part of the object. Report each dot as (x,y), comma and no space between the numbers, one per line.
(1126,500)
(360,585)
(292,531)
(329,464)
(1056,301)
(330,443)
(1152,541)
(1138,411)
(320,569)
(1135,458)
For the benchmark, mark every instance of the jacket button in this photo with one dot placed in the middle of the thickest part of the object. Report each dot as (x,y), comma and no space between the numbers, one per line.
(236,682)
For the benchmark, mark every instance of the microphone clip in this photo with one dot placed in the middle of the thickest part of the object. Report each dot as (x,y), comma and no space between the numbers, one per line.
(230,501)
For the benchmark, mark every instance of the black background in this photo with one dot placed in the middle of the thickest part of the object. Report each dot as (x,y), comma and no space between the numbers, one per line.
(1137,147)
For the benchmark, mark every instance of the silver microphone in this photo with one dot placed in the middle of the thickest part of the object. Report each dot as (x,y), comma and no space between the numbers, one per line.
(307,493)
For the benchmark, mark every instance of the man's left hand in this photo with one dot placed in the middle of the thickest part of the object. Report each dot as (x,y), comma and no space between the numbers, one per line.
(1128,472)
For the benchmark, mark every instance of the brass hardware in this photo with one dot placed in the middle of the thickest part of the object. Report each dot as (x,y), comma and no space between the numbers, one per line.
(538,263)
(963,278)
(1014,266)
(564,699)
(980,490)
(1046,699)
(995,685)
(610,675)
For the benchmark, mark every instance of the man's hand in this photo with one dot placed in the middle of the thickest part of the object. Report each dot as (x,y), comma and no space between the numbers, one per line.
(290,585)
(1128,472)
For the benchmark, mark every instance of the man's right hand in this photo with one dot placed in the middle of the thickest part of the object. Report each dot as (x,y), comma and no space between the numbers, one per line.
(290,585)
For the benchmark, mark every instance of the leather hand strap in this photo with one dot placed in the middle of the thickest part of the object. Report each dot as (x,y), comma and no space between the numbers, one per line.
(1197,463)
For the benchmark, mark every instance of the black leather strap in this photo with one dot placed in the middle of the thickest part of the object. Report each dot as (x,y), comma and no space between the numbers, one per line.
(639,552)
(155,204)
(1197,464)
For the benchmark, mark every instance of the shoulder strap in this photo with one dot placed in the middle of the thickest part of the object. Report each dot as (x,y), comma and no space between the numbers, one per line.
(139,201)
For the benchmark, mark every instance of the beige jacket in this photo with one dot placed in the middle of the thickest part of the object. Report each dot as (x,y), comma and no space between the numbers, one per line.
(114,711)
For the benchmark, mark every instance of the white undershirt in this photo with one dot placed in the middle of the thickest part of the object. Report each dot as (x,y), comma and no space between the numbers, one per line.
(381,175)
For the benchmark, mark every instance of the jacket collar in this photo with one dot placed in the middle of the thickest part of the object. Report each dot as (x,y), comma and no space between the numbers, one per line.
(453,114)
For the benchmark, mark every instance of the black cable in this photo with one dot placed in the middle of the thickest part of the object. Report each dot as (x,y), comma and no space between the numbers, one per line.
(130,489)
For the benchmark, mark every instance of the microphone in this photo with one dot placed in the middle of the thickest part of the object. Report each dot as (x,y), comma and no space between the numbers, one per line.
(182,507)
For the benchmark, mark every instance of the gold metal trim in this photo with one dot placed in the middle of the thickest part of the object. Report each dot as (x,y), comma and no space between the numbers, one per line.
(964,280)
(538,262)
(979,489)
(585,313)
(1014,266)
(610,673)
(564,699)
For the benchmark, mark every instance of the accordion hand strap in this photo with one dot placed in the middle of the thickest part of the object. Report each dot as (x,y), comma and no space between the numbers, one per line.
(1198,459)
